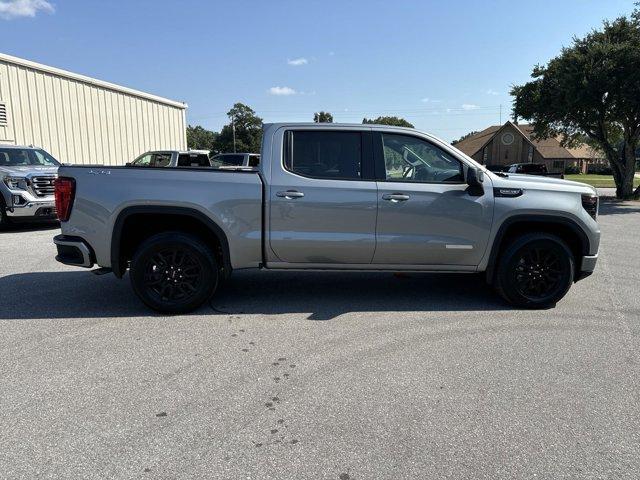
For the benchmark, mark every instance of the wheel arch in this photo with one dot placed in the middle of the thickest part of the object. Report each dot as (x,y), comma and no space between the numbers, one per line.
(143,221)
(565,228)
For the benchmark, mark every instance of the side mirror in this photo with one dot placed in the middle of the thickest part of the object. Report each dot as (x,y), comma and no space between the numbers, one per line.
(475,178)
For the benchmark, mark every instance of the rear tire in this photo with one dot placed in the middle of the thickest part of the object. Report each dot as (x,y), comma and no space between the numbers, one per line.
(174,272)
(535,271)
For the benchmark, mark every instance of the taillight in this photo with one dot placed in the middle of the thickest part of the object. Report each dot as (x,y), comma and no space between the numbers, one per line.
(65,192)
(590,204)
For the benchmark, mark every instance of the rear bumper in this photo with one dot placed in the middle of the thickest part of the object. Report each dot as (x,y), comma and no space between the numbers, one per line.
(587,266)
(74,251)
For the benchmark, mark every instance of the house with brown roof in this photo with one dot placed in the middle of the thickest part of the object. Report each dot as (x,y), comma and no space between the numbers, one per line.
(503,145)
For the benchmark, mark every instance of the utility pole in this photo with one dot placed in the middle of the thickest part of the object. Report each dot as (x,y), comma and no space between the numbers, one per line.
(233,127)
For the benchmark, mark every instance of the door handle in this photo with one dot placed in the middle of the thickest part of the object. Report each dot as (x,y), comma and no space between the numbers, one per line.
(290,194)
(395,197)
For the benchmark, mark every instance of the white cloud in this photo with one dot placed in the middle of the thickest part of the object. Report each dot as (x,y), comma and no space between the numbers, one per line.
(283,91)
(23,8)
(296,62)
(469,106)
(430,100)
(492,92)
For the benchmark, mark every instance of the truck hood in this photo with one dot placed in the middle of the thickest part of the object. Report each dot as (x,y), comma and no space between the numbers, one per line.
(24,170)
(541,183)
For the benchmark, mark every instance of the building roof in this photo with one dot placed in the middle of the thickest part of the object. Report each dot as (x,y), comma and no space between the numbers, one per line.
(92,81)
(472,144)
(548,148)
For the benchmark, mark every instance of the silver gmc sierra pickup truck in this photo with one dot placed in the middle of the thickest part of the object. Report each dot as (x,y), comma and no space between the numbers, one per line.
(329,197)
(27,175)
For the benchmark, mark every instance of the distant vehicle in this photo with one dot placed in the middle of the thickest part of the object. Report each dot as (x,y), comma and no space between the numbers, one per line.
(232,160)
(533,169)
(329,197)
(172,158)
(27,176)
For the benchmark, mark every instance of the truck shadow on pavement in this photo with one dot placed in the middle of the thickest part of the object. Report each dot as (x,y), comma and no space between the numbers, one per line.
(20,227)
(318,296)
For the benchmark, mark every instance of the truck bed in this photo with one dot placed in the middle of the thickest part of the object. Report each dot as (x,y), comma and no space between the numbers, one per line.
(231,199)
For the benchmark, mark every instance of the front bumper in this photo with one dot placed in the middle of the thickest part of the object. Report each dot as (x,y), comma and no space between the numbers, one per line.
(587,266)
(44,209)
(74,251)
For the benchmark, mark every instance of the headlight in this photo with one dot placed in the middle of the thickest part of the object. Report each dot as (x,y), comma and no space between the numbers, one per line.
(16,183)
(590,204)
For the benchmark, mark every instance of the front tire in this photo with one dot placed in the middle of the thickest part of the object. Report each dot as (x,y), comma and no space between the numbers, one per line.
(535,271)
(4,220)
(174,272)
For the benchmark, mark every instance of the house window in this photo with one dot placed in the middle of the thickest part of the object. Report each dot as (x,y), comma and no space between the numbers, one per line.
(485,155)
(506,154)
(3,114)
(558,164)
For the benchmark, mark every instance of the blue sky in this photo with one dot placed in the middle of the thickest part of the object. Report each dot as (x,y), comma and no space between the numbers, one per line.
(446,66)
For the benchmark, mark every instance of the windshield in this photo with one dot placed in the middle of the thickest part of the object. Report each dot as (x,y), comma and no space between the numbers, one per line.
(21,157)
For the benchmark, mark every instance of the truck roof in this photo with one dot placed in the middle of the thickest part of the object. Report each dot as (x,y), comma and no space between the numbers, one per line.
(9,145)
(333,125)
(179,151)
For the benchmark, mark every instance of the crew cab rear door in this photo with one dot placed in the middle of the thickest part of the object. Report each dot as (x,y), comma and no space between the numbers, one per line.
(427,214)
(322,196)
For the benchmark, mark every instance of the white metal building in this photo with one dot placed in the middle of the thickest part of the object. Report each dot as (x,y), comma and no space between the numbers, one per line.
(83,120)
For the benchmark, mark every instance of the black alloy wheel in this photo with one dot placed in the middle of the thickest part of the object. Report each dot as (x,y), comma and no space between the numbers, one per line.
(174,272)
(535,271)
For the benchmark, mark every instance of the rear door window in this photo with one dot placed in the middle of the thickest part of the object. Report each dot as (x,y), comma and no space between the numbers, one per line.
(324,154)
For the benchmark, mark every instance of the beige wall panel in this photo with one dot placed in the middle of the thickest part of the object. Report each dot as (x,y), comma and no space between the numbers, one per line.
(82,120)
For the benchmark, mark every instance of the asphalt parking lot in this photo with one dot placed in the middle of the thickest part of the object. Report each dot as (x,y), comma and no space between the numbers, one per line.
(301,375)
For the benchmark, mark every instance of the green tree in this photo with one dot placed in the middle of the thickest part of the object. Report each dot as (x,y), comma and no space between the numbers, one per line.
(199,138)
(465,136)
(322,117)
(395,121)
(248,131)
(592,89)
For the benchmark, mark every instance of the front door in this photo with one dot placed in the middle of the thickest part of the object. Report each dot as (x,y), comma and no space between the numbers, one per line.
(323,198)
(426,213)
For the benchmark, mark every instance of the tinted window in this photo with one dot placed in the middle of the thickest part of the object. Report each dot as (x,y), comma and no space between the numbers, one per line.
(536,168)
(411,159)
(324,154)
(254,160)
(193,160)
